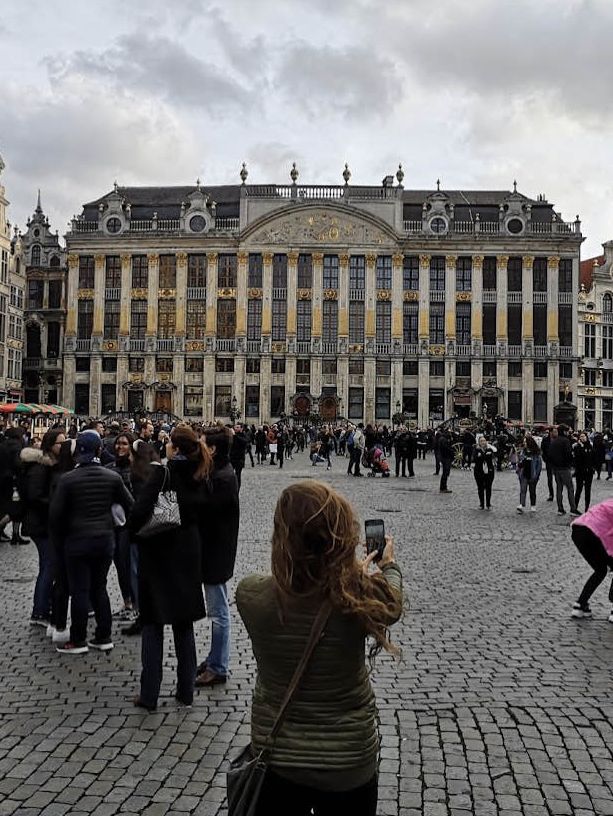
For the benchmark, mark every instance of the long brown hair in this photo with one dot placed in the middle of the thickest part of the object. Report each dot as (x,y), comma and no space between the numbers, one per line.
(187,442)
(314,545)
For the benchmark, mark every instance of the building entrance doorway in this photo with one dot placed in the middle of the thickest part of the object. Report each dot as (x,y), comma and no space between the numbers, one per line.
(163,401)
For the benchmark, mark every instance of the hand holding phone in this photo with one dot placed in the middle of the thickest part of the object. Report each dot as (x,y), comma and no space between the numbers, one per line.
(375,537)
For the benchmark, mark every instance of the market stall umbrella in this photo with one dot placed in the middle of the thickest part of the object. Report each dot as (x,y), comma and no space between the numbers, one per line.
(16,408)
(60,409)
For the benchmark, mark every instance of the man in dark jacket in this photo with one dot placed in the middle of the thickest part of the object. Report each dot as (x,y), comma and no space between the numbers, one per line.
(445,452)
(80,516)
(545,443)
(560,455)
(11,502)
(218,526)
(401,444)
(240,443)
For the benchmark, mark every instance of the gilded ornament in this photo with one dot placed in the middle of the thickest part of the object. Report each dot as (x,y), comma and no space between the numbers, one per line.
(85,294)
(225,294)
(126,260)
(153,258)
(267,257)
(553,262)
(463,296)
(424,261)
(181,258)
(292,257)
(167,294)
(397,259)
(211,257)
(502,261)
(356,348)
(318,257)
(194,345)
(477,261)
(278,347)
(73,261)
(450,262)
(527,261)
(99,260)
(330,294)
(411,295)
(254,294)
(139,294)
(384,294)
(343,259)
(304,294)
(109,345)
(242,257)
(371,259)
(438,350)
(589,318)
(136,378)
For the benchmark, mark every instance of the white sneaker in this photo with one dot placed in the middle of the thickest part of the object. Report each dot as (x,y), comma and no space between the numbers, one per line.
(610,618)
(520,508)
(533,508)
(61,636)
(581,612)
(50,630)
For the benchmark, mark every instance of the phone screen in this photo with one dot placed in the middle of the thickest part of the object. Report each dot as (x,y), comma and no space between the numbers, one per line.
(375,536)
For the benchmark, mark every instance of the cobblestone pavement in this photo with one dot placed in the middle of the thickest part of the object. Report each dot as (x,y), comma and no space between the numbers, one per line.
(500,704)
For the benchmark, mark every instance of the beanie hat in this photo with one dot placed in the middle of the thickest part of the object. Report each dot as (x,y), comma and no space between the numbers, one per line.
(88,446)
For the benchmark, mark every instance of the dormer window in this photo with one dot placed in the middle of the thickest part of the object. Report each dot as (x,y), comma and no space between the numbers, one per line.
(35,255)
(607,302)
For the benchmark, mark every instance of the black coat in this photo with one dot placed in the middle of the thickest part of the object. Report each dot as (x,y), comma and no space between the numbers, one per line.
(40,476)
(240,441)
(169,580)
(583,457)
(483,461)
(9,472)
(218,524)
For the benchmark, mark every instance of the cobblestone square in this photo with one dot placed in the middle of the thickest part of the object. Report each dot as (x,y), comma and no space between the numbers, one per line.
(501,703)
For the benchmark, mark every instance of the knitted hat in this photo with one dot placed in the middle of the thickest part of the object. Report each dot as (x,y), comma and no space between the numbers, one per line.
(88,446)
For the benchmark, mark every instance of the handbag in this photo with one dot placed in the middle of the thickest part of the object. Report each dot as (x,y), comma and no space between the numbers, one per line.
(245,776)
(165,515)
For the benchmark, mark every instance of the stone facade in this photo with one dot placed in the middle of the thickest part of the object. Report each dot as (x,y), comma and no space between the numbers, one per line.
(12,284)
(595,346)
(357,302)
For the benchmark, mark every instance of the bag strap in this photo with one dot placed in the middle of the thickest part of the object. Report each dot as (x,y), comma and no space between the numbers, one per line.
(316,632)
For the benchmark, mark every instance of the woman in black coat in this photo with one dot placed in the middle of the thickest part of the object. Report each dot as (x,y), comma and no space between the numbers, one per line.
(169,573)
(11,502)
(484,470)
(583,459)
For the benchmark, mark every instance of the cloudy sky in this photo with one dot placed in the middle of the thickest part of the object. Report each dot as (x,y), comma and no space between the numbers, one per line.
(476,92)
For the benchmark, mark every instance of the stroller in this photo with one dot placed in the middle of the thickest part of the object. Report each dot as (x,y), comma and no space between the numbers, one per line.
(375,461)
(316,455)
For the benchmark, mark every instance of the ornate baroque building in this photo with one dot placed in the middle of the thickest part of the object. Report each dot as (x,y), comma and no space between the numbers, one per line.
(45,311)
(12,284)
(352,301)
(595,345)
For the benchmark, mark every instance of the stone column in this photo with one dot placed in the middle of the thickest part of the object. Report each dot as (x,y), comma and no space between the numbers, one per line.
(424,392)
(371,304)
(211,301)
(267,295)
(528,391)
(241,299)
(265,378)
(476,315)
(121,395)
(501,297)
(292,290)
(450,272)
(553,387)
(317,298)
(553,266)
(343,296)
(397,309)
(370,383)
(502,380)
(424,298)
(124,314)
(208,377)
(527,297)
(149,376)
(342,383)
(178,378)
(290,378)
(181,302)
(238,382)
(99,273)
(71,297)
(397,383)
(68,384)
(95,372)
(153,280)
(45,299)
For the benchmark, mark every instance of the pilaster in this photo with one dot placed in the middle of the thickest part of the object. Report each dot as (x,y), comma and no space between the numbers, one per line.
(397,260)
(397,383)
(265,380)
(450,274)
(178,376)
(343,295)
(370,380)
(208,376)
(316,375)
(241,297)
(71,299)
(292,294)
(238,382)
(317,296)
(181,300)
(553,266)
(153,293)
(121,398)
(527,298)
(476,315)
(211,301)
(501,297)
(423,414)
(124,314)
(370,323)
(99,274)
(342,383)
(528,391)
(95,372)
(424,301)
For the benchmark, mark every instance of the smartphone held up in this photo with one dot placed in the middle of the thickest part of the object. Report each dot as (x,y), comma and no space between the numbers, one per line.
(375,537)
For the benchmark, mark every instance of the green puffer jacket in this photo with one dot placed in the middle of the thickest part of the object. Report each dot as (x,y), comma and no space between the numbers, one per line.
(330,728)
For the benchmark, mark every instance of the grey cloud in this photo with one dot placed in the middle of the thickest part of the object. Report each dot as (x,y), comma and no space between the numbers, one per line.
(156,66)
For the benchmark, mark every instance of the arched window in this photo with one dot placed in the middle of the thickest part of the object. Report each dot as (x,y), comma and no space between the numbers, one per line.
(35,256)
(607,302)
(54,262)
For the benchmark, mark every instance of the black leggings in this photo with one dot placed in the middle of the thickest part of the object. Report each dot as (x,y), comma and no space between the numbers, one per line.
(484,488)
(584,479)
(591,548)
(281,797)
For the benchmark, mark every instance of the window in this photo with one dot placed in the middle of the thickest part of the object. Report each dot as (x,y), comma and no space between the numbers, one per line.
(565,325)
(54,262)
(35,294)
(356,365)
(35,258)
(437,368)
(3,307)
(303,318)
(86,272)
(330,279)
(17,297)
(463,323)
(489,370)
(4,265)
(462,368)
(437,273)
(85,319)
(226,318)
(436,403)
(53,339)
(108,398)
(166,319)
(357,272)
(140,272)
(14,365)
(437,323)
(82,364)
(196,271)
(305,271)
(163,365)
(464,274)
(384,321)
(607,379)
(489,324)
(277,365)
(382,403)
(566,371)
(168,272)
(539,324)
(540,370)
(224,365)
(138,319)
(81,399)
(254,319)
(252,400)
(194,365)
(489,272)
(226,272)
(410,273)
(109,365)
(303,365)
(111,319)
(254,273)
(514,404)
(383,271)
(607,342)
(589,404)
(607,303)
(514,323)
(55,294)
(328,369)
(277,400)
(330,321)
(15,327)
(196,319)
(410,323)
(607,412)
(539,275)
(279,271)
(410,402)
(253,365)
(356,321)
(193,399)
(112,275)
(410,368)
(589,376)
(223,400)
(383,367)
(540,406)
(589,340)
(279,319)
(514,274)
(515,368)
(356,403)
(565,275)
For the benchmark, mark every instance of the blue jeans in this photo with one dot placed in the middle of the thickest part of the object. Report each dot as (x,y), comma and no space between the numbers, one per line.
(44,581)
(218,612)
(87,564)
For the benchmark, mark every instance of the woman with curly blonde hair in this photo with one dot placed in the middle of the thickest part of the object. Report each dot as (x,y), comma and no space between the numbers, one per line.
(324,758)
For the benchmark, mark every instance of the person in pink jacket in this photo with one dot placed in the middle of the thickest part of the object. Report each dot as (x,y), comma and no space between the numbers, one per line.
(593,536)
